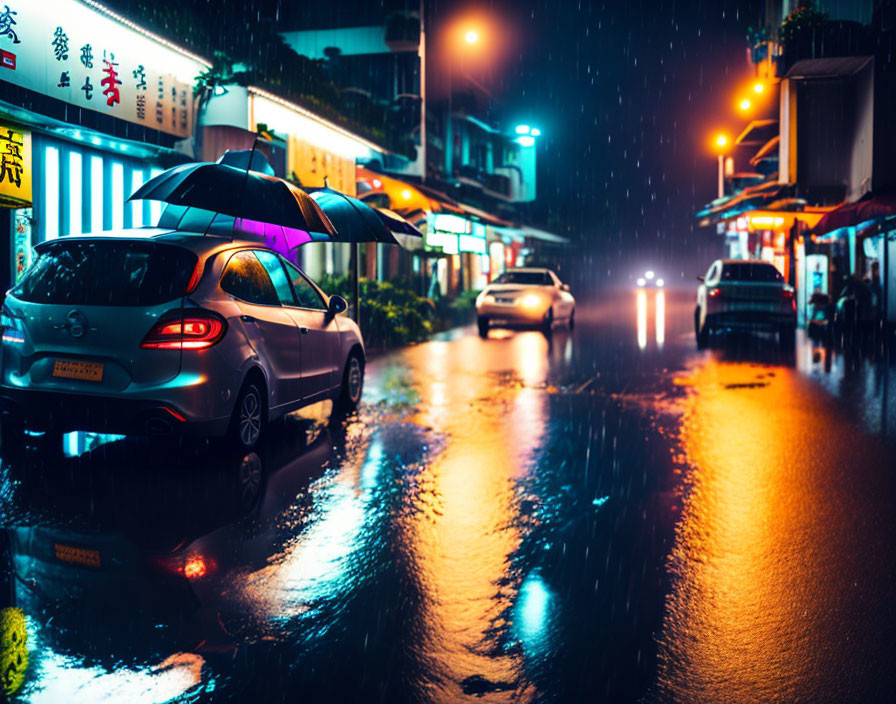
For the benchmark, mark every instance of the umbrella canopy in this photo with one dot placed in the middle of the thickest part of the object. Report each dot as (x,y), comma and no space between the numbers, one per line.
(222,188)
(358,222)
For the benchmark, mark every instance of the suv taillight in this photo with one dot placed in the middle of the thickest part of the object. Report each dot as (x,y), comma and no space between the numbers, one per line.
(714,292)
(191,329)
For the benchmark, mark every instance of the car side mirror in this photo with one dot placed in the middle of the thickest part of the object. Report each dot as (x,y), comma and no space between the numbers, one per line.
(336,305)
(564,287)
(701,278)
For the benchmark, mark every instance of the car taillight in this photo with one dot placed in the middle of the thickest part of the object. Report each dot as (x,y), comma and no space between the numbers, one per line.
(194,279)
(714,292)
(787,293)
(188,330)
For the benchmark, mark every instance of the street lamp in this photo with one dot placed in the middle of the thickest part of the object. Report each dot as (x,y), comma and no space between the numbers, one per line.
(471,36)
(745,104)
(721,143)
(758,87)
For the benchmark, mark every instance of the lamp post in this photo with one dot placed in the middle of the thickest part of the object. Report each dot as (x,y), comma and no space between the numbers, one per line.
(721,142)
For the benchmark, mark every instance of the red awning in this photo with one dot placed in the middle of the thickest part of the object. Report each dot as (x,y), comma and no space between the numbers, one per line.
(867,209)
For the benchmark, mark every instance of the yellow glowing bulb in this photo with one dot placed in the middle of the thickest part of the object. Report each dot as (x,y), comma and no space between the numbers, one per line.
(471,37)
(758,88)
(745,104)
(406,194)
(721,141)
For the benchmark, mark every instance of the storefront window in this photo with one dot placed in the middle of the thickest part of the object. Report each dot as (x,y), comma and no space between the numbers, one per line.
(51,193)
(74,196)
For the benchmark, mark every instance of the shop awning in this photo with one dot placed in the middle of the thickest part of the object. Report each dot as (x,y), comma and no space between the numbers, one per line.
(484,217)
(769,149)
(865,211)
(839,67)
(543,235)
(757,133)
(748,199)
(403,197)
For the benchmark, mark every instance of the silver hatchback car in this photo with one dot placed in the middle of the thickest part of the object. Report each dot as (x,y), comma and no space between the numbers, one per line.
(159,331)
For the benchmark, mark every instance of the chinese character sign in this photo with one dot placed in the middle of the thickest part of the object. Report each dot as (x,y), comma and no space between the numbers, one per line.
(73,53)
(15,166)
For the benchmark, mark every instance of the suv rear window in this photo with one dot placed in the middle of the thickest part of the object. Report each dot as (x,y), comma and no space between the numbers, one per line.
(750,272)
(107,273)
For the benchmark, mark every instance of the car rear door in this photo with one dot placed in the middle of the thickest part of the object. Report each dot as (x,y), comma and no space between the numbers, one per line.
(321,351)
(268,326)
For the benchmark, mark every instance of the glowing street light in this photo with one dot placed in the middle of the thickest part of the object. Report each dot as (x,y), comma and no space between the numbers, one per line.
(471,36)
(523,129)
(535,132)
(745,104)
(758,87)
(649,275)
(721,142)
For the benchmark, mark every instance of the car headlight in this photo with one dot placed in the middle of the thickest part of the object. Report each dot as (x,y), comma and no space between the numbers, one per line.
(530,300)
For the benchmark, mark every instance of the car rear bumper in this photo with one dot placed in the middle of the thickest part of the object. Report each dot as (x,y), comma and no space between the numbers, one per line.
(751,319)
(65,412)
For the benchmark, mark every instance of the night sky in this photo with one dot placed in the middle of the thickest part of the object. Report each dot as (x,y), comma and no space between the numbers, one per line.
(625,93)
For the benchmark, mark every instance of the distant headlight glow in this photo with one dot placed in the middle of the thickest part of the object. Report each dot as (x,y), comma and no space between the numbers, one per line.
(641,281)
(660,283)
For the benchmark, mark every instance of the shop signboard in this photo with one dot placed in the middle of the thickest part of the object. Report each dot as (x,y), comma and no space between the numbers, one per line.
(21,243)
(15,167)
(82,56)
(316,166)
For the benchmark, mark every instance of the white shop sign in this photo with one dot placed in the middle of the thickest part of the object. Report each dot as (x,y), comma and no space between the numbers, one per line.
(69,51)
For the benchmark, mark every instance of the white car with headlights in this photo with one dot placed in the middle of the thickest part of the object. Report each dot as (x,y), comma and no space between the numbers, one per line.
(529,296)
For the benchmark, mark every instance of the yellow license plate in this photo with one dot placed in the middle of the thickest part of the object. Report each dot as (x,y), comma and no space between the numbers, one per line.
(77,556)
(73,369)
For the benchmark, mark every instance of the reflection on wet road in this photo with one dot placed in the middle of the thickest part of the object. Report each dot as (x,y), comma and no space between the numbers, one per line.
(604,514)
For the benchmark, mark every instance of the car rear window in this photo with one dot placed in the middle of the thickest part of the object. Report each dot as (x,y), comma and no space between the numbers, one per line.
(750,272)
(525,278)
(107,273)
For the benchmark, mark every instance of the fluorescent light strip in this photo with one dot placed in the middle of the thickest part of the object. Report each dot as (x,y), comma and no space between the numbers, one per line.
(96,194)
(117,195)
(137,205)
(155,206)
(75,194)
(51,193)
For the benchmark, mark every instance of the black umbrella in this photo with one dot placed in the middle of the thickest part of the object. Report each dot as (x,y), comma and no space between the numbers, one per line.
(223,188)
(358,222)
(355,221)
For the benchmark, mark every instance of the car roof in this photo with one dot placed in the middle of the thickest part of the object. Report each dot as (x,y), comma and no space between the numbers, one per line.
(528,269)
(197,242)
(746,261)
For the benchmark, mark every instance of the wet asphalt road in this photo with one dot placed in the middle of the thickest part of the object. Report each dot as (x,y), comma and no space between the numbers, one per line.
(606,515)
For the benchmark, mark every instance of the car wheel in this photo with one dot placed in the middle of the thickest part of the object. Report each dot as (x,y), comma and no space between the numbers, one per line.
(572,319)
(547,324)
(249,417)
(702,332)
(482,323)
(352,384)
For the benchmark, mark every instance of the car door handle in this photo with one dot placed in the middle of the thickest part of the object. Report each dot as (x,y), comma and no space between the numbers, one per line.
(247,318)
(302,330)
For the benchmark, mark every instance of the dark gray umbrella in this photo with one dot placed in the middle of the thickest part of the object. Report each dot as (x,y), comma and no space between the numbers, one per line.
(223,188)
(355,221)
(358,222)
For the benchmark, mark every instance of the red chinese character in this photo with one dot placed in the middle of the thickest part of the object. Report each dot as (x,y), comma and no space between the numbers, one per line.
(111,83)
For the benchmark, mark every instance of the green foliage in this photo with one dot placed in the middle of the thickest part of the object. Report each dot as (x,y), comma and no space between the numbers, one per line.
(804,18)
(391,314)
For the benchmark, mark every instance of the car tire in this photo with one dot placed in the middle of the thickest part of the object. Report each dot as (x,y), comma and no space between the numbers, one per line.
(352,385)
(547,324)
(572,319)
(249,416)
(701,332)
(482,323)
